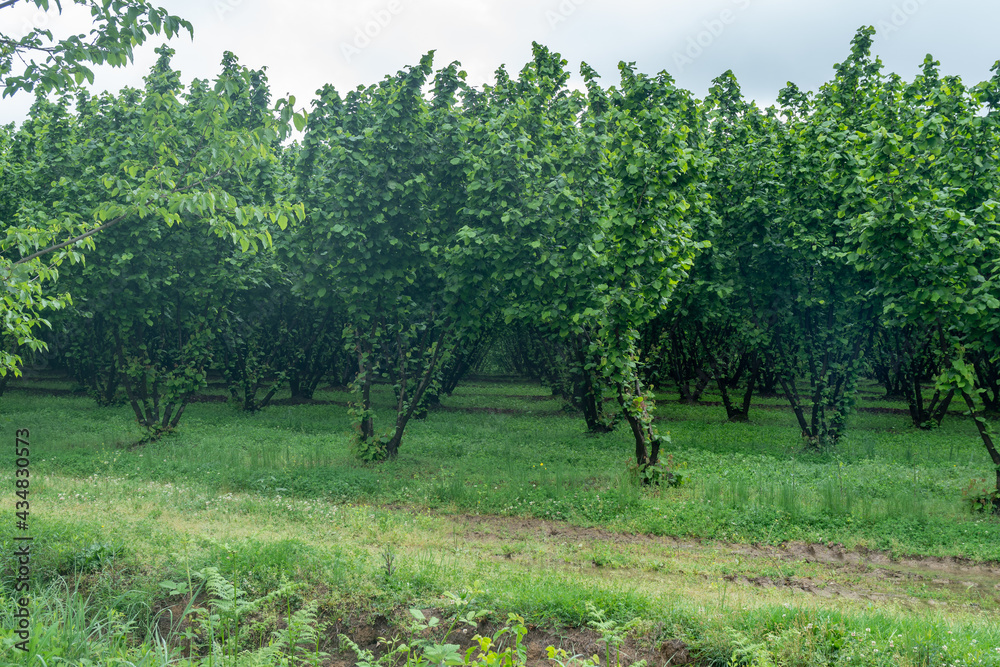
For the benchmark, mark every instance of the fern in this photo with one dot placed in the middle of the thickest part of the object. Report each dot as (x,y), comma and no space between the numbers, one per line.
(366,658)
(228,606)
(303,630)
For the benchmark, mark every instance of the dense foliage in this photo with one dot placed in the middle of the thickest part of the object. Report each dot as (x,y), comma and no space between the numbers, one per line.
(118,26)
(179,177)
(604,241)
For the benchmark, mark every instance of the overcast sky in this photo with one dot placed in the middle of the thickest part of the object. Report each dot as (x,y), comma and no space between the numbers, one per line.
(307,43)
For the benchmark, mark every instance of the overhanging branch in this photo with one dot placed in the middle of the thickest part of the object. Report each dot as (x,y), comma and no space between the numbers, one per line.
(93,231)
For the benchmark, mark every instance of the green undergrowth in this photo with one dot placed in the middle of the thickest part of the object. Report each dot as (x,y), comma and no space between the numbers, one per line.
(143,573)
(886,486)
(78,630)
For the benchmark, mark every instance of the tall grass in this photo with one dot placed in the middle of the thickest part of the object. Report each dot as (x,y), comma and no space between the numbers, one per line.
(70,628)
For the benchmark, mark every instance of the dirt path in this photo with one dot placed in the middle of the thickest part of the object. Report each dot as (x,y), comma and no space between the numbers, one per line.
(822,570)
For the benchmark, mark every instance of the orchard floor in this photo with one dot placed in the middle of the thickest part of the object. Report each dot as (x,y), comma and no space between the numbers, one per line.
(867,554)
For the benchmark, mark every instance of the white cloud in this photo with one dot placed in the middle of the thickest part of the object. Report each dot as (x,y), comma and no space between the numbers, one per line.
(767,42)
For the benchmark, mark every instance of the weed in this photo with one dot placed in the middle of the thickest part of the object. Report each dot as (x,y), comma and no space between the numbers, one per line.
(427,644)
(981,497)
(388,555)
(562,658)
(613,635)
(834,499)
(661,474)
(788,499)
(603,555)
(94,557)
(712,491)
(737,493)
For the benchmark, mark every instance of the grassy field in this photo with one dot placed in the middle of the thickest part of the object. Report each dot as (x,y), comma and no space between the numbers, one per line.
(258,529)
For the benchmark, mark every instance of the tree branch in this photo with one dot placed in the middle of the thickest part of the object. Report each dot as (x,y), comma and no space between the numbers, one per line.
(71,241)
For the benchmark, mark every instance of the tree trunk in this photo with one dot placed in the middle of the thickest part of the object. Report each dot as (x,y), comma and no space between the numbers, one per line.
(926,416)
(586,392)
(732,414)
(691,395)
(740,413)
(987,438)
(406,410)
(130,391)
(736,413)
(988,380)
(641,422)
(793,398)
(769,382)
(297,387)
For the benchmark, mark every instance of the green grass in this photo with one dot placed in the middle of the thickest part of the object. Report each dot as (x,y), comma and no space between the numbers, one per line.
(276,497)
(118,539)
(886,485)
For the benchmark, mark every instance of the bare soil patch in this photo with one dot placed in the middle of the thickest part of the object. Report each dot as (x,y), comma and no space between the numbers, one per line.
(366,632)
(869,572)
